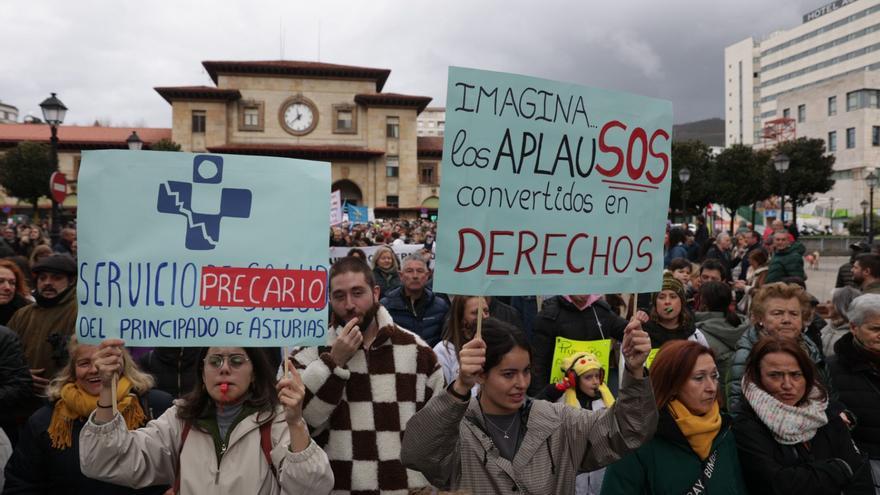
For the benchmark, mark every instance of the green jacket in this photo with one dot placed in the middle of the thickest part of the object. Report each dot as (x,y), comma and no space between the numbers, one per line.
(787,263)
(668,465)
(721,336)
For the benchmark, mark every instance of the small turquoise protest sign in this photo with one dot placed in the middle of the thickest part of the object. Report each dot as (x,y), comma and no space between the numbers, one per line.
(181,249)
(551,188)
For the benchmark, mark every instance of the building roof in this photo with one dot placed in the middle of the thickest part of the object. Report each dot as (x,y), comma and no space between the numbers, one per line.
(393,100)
(295,68)
(80,137)
(430,146)
(197,93)
(308,152)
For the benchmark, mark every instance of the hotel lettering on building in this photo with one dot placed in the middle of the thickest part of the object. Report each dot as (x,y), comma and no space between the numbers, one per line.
(317,111)
(822,75)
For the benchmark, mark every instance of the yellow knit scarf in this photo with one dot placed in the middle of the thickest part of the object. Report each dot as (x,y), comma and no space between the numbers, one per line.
(76,403)
(700,431)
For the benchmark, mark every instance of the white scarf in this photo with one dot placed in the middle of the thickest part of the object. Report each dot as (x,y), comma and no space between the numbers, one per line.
(790,425)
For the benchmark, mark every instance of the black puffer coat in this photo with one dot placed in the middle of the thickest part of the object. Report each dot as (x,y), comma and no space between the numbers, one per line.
(828,463)
(857,381)
(38,468)
(15,381)
(174,368)
(560,318)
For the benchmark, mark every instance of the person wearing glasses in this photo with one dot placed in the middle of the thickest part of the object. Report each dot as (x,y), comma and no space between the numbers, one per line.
(235,432)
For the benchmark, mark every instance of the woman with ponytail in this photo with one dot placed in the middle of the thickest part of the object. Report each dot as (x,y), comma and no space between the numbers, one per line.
(582,387)
(719,323)
(46,459)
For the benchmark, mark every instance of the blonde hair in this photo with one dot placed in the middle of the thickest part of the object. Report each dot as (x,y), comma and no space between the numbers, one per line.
(140,382)
(780,290)
(378,253)
(40,251)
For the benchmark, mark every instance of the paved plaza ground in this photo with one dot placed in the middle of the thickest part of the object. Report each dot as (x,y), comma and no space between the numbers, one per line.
(821,281)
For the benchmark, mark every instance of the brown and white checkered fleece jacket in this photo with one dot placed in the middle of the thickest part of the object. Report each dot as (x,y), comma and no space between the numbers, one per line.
(448,442)
(358,412)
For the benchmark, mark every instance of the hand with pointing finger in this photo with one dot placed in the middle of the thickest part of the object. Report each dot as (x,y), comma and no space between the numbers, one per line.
(108,360)
(291,393)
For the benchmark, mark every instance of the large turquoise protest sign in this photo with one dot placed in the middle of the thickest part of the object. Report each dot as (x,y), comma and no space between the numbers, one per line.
(551,188)
(180,249)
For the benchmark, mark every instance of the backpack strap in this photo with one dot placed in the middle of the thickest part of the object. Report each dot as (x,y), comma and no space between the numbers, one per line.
(266,445)
(183,434)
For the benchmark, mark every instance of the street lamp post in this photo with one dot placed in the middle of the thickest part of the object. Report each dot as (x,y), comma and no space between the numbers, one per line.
(684,175)
(864,205)
(53,113)
(781,162)
(831,213)
(134,142)
(871,179)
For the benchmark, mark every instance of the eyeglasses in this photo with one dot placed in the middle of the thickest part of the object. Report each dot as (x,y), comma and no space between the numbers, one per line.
(236,361)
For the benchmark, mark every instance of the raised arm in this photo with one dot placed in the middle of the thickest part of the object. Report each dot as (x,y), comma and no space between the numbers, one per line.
(135,458)
(603,437)
(303,466)
(431,443)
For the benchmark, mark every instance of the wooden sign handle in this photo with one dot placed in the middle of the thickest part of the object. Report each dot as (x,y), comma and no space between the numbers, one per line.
(479,333)
(113,394)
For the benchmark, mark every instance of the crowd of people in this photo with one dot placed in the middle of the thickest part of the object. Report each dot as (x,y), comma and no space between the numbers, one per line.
(731,378)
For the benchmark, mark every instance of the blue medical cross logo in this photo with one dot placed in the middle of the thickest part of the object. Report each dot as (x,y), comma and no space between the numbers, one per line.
(203,230)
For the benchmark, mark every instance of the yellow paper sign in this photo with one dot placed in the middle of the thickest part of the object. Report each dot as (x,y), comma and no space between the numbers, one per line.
(567,347)
(651,356)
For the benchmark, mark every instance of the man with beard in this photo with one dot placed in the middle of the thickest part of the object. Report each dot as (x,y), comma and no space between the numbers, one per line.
(866,273)
(363,388)
(45,326)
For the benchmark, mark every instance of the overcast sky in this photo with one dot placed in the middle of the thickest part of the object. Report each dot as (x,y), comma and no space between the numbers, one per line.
(103,58)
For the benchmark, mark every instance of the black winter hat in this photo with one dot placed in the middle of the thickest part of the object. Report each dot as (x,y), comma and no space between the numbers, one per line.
(57,263)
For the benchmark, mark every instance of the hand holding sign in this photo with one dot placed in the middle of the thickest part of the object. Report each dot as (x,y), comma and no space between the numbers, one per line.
(471,360)
(636,344)
(109,363)
(108,360)
(347,342)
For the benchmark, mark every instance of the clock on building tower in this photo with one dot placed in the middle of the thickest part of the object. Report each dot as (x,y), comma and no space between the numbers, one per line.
(298,116)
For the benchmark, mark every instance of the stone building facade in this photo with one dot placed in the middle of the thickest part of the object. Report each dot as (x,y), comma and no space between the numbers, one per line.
(845,113)
(316,111)
(72,141)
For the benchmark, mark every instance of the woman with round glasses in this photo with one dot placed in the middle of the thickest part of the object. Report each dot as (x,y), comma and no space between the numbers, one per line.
(234,433)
